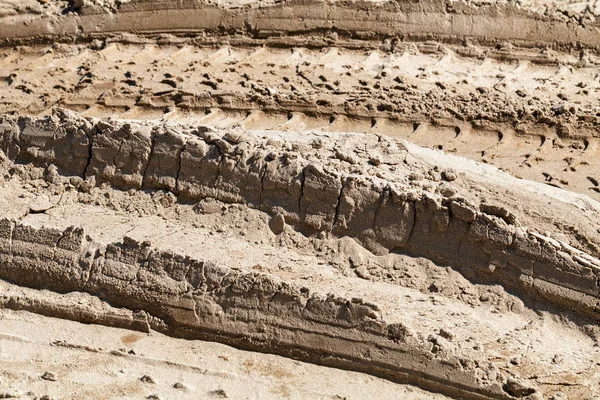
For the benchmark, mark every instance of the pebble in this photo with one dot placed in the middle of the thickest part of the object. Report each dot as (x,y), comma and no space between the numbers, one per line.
(362,272)
(446,334)
(517,388)
(447,190)
(348,157)
(87,185)
(415,176)
(449,175)
(375,160)
(317,143)
(277,224)
(219,393)
(50,376)
(52,175)
(147,379)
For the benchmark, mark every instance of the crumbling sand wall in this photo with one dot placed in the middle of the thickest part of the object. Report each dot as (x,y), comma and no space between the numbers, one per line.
(195,299)
(484,242)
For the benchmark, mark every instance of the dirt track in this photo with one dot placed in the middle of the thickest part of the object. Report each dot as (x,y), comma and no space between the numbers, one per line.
(251,174)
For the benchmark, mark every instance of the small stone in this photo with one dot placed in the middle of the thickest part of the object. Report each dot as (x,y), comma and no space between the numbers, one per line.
(375,160)
(362,272)
(434,175)
(557,359)
(87,185)
(333,36)
(348,157)
(236,137)
(49,376)
(449,175)
(563,130)
(447,190)
(33,152)
(98,44)
(208,206)
(52,175)
(179,385)
(219,394)
(511,219)
(147,379)
(317,143)
(436,344)
(387,46)
(559,108)
(397,332)
(446,334)
(433,288)
(517,388)
(416,176)
(491,209)
(277,224)
(75,181)
(167,200)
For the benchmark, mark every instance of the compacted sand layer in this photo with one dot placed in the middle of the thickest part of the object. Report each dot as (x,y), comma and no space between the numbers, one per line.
(44,356)
(391,199)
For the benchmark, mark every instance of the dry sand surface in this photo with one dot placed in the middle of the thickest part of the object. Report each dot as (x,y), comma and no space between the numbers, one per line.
(299,199)
(57,358)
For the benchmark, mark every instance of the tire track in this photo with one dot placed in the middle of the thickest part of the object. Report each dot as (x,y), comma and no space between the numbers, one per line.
(461,105)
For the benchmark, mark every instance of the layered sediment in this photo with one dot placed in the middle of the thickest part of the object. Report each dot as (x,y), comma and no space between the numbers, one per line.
(382,199)
(423,20)
(250,173)
(387,210)
(194,299)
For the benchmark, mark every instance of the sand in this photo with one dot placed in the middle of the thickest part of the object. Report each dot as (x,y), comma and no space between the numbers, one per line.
(259,200)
